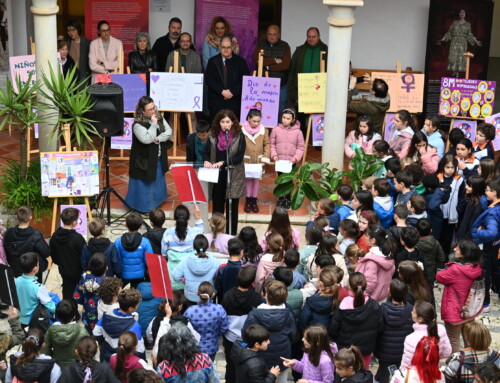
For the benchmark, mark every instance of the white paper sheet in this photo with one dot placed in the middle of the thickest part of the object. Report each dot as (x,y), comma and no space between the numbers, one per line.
(283,166)
(253,171)
(208,175)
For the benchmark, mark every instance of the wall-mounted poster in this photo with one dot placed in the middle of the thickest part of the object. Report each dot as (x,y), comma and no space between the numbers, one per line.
(495,120)
(69,174)
(466,98)
(124,141)
(262,93)
(312,92)
(388,125)
(177,92)
(82,218)
(466,126)
(318,129)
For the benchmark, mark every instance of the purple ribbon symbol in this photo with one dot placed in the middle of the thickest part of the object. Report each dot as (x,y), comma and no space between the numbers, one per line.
(196,102)
(409,80)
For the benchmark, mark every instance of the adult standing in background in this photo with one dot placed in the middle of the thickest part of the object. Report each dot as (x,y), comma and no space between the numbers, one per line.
(166,44)
(188,58)
(142,59)
(219,28)
(104,55)
(223,76)
(79,47)
(277,59)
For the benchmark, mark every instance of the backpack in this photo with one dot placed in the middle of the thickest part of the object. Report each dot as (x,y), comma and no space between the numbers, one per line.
(474,303)
(40,318)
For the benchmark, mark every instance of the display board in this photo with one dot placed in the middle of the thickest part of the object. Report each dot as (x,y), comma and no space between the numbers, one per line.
(81,228)
(69,174)
(177,92)
(318,129)
(312,92)
(133,85)
(262,93)
(124,141)
(405,89)
(467,126)
(22,66)
(495,120)
(464,98)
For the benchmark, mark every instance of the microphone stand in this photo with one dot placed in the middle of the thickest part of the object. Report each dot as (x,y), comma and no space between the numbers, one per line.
(229,168)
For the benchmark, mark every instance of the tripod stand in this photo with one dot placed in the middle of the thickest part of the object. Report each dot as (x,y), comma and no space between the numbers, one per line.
(103,200)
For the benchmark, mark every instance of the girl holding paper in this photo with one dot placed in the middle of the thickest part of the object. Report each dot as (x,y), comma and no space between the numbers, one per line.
(257,152)
(287,143)
(225,135)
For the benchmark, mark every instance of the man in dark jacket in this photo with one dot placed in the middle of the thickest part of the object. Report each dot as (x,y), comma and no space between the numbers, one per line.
(66,247)
(166,44)
(22,239)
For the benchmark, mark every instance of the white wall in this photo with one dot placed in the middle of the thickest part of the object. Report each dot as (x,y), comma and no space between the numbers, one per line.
(183,9)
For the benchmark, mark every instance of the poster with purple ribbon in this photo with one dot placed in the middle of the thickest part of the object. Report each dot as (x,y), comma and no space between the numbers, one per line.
(124,141)
(262,93)
(82,218)
(465,98)
(177,92)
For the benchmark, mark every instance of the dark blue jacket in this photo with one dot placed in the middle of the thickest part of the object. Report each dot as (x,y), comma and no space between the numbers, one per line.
(148,308)
(392,192)
(490,221)
(102,245)
(434,201)
(334,222)
(316,310)
(132,249)
(281,326)
(397,325)
(226,278)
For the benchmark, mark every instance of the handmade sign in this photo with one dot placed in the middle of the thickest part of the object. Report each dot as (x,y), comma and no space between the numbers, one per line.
(82,218)
(262,93)
(124,141)
(133,85)
(495,120)
(318,127)
(388,125)
(159,275)
(466,126)
(187,184)
(69,174)
(465,98)
(177,92)
(406,90)
(312,92)
(22,66)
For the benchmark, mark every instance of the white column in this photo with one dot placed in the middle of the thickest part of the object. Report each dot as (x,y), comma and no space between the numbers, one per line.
(44,14)
(340,20)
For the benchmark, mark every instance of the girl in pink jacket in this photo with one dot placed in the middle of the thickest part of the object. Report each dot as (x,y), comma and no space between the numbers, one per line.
(402,132)
(362,137)
(423,154)
(424,316)
(378,265)
(270,261)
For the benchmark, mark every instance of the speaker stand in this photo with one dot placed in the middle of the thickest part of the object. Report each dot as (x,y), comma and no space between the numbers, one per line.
(103,200)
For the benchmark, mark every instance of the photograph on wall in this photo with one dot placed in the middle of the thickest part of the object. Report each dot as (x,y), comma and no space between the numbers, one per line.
(455,27)
(69,174)
(466,126)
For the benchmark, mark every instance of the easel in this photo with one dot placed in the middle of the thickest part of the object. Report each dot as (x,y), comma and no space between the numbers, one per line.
(31,131)
(322,69)
(67,148)
(176,131)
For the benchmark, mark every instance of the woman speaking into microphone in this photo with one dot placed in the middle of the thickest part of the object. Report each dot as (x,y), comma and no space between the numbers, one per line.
(147,188)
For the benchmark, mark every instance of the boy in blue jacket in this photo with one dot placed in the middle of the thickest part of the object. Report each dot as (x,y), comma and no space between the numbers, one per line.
(132,249)
(435,197)
(382,202)
(226,277)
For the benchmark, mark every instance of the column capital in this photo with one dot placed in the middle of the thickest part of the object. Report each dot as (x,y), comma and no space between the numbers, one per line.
(343,3)
(44,11)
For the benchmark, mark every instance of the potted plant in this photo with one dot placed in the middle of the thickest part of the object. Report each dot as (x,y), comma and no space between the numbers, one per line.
(316,181)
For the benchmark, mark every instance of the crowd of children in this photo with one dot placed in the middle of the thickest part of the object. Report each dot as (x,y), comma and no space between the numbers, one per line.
(361,289)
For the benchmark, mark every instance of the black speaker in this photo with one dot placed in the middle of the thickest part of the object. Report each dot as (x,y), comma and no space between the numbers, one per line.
(107,112)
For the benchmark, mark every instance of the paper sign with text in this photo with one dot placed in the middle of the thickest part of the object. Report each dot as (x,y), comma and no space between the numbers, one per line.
(177,92)
(262,93)
(405,89)
(312,92)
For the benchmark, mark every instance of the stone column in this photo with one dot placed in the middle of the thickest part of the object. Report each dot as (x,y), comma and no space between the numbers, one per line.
(44,14)
(340,20)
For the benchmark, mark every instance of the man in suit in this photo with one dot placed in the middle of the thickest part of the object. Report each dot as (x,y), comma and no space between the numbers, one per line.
(104,55)
(223,76)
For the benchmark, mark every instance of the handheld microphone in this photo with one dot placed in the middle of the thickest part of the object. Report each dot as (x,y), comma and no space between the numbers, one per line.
(227,135)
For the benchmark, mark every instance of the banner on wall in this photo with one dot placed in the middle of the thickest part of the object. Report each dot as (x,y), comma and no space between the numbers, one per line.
(126,19)
(243,16)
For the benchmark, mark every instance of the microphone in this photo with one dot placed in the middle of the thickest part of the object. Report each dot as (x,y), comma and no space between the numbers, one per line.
(227,136)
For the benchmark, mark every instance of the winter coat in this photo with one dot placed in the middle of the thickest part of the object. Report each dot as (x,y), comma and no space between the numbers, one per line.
(410,375)
(433,255)
(76,372)
(378,271)
(411,342)
(142,62)
(457,279)
(130,364)
(362,142)
(86,294)
(278,320)
(250,365)
(456,204)
(199,370)
(430,160)
(132,249)
(489,220)
(155,236)
(287,143)
(17,241)
(436,140)
(384,207)
(434,201)
(102,245)
(210,321)
(295,300)
(238,304)
(43,369)
(226,278)
(469,216)
(258,146)
(404,198)
(194,270)
(66,248)
(359,326)
(373,106)
(193,62)
(265,270)
(31,293)
(364,376)
(148,307)
(61,341)
(398,324)
(401,143)
(460,365)
(317,310)
(324,372)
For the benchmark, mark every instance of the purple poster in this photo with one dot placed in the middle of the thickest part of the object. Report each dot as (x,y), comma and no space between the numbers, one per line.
(261,93)
(468,127)
(388,125)
(243,17)
(464,98)
(318,127)
(133,85)
(82,218)
(125,141)
(495,120)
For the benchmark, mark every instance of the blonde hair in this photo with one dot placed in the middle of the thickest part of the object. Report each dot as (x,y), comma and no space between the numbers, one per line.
(368,182)
(217,225)
(477,335)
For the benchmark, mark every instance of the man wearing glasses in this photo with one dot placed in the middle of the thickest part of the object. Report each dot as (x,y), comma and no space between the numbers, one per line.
(104,55)
(188,58)
(223,76)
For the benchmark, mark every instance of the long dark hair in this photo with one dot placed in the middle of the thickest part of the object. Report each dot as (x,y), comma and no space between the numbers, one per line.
(369,122)
(447,159)
(126,345)
(357,283)
(414,278)
(407,118)
(317,337)
(417,138)
(327,245)
(139,109)
(365,198)
(235,128)
(478,186)
(385,242)
(200,246)
(470,251)
(31,346)
(252,250)
(280,223)
(181,217)
(427,313)
(87,348)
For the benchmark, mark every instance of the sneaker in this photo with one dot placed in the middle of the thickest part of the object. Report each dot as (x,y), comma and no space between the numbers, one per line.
(486,309)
